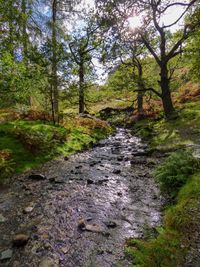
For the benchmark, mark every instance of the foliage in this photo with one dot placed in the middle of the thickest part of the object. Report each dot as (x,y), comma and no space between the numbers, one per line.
(173,173)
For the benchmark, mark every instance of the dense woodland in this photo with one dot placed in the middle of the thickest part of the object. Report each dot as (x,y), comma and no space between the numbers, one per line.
(72,72)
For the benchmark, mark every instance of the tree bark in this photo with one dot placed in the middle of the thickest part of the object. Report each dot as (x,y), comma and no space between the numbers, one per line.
(54,63)
(140,105)
(24,31)
(81,88)
(166,93)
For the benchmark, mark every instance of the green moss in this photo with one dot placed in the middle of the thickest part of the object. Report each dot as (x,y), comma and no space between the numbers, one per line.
(169,135)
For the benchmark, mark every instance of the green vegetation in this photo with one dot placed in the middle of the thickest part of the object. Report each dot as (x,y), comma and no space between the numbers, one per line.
(27,144)
(173,242)
(174,172)
(169,135)
(179,177)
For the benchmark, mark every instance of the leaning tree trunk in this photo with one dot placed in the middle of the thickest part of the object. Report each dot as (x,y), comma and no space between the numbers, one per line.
(81,88)
(166,94)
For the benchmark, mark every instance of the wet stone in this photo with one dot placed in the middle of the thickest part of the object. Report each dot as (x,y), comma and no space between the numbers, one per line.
(111,224)
(117,171)
(2,218)
(47,262)
(28,209)
(6,254)
(93,228)
(37,177)
(138,161)
(90,181)
(20,240)
(81,224)
(16,264)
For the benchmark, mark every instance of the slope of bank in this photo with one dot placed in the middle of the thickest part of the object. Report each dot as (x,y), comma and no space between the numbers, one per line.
(25,144)
(178,141)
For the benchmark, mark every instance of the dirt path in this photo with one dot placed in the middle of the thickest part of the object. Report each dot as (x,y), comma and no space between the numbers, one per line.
(82,213)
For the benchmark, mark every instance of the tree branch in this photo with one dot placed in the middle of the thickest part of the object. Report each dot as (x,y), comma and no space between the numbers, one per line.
(149,89)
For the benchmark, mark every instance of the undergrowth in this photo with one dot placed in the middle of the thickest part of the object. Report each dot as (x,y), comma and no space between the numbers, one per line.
(174,172)
(31,143)
(179,176)
(181,222)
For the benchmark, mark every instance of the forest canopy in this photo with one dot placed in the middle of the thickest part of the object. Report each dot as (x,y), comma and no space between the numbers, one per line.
(54,53)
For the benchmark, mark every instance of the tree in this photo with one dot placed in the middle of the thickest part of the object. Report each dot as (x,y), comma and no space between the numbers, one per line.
(154,34)
(82,45)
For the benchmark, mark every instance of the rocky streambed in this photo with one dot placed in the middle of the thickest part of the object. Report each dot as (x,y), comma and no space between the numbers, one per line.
(81,210)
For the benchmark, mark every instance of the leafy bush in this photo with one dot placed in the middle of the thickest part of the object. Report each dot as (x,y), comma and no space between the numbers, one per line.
(174,172)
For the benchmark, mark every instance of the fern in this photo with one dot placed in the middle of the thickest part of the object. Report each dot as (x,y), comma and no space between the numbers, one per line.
(175,170)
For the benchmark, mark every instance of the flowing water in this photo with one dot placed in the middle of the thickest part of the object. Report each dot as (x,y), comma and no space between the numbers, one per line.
(86,208)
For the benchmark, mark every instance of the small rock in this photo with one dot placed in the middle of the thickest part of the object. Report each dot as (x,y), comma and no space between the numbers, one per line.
(93,228)
(90,181)
(37,177)
(138,161)
(81,224)
(28,209)
(111,224)
(65,249)
(46,262)
(78,167)
(6,255)
(52,179)
(20,240)
(139,153)
(117,171)
(120,158)
(100,252)
(2,218)
(119,194)
(16,264)
(59,181)
(56,180)
(100,182)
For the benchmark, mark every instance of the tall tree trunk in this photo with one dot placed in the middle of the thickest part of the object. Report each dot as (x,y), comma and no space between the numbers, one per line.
(24,31)
(81,88)
(11,29)
(140,105)
(166,94)
(141,88)
(54,62)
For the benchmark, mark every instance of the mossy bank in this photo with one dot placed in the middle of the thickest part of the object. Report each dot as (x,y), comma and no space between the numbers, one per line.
(176,243)
(26,144)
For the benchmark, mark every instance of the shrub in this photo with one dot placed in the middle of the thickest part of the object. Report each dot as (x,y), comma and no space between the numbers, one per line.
(175,170)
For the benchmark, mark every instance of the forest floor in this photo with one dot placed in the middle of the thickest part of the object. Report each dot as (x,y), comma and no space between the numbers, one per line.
(83,208)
